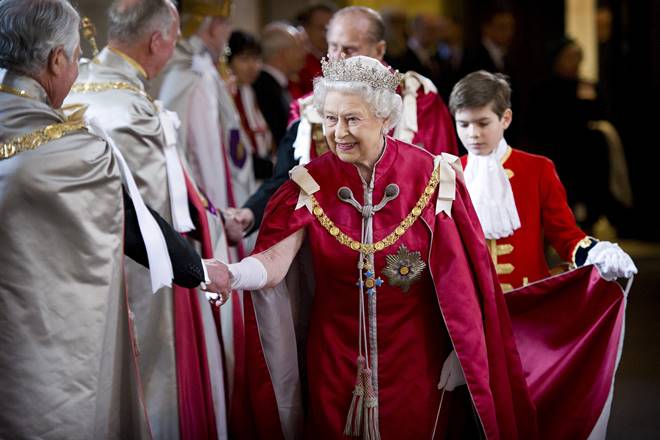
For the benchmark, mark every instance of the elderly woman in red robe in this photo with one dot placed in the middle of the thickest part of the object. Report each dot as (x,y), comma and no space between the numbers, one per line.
(375,310)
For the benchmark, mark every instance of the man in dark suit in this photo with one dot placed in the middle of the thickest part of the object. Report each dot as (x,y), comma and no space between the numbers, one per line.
(490,54)
(283,55)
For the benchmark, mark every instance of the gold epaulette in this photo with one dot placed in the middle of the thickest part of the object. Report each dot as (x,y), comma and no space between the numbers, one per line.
(34,140)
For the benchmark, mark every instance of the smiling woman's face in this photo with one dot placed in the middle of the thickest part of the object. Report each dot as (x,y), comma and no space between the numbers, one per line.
(352,130)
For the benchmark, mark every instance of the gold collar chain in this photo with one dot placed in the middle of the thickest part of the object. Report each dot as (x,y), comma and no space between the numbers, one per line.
(389,240)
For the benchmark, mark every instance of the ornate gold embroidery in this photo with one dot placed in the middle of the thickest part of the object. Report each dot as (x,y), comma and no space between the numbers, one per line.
(102,87)
(37,138)
(406,223)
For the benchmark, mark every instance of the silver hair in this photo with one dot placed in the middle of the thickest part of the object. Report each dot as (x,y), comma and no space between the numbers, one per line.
(382,102)
(31,29)
(131,21)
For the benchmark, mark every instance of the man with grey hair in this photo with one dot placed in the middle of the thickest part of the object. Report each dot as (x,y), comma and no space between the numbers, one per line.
(283,54)
(67,365)
(142,35)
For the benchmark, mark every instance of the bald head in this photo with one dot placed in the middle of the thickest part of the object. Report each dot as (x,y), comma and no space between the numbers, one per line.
(356,30)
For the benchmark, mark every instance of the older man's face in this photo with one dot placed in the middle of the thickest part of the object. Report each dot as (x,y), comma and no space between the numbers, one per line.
(347,35)
(166,47)
(64,75)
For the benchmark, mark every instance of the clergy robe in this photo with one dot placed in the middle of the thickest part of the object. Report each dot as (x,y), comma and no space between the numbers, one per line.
(113,87)
(67,365)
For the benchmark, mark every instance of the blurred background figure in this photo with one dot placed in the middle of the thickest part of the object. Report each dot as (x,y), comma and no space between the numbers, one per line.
(245,64)
(490,54)
(449,54)
(396,39)
(314,21)
(283,56)
(587,150)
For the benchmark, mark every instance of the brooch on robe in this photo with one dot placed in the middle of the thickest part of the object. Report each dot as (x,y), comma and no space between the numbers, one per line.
(404,268)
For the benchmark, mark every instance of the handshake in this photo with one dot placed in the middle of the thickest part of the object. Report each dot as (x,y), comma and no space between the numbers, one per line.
(237,222)
(218,288)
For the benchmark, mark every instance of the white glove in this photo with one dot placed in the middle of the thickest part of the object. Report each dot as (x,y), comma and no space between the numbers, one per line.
(451,375)
(612,262)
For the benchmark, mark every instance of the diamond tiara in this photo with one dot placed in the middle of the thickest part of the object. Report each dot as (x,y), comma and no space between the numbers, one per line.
(355,71)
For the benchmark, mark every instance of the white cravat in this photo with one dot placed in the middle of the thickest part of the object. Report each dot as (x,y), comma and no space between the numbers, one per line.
(491,193)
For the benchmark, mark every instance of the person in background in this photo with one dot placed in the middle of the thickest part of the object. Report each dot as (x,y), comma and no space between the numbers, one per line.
(314,21)
(142,36)
(580,142)
(245,63)
(498,28)
(213,143)
(283,56)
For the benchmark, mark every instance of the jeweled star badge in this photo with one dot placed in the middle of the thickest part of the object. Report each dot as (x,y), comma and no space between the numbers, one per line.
(404,268)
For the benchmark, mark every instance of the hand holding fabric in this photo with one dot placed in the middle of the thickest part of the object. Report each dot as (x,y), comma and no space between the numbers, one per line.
(451,375)
(612,262)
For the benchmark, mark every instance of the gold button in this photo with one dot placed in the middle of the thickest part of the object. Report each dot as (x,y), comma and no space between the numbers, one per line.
(334,231)
(416,211)
(369,283)
(318,211)
(404,270)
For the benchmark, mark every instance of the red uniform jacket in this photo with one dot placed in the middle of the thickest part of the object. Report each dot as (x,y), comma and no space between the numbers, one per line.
(544,216)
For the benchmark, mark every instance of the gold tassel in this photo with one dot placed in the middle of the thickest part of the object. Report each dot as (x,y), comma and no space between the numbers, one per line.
(354,417)
(371,429)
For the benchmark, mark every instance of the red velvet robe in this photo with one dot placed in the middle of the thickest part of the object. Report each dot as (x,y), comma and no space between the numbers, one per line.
(544,215)
(570,360)
(456,301)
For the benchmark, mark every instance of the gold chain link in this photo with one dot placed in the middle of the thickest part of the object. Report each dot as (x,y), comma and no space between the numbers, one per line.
(406,223)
